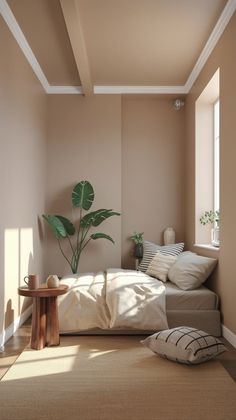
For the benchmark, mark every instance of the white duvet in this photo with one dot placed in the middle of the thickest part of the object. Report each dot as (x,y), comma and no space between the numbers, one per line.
(114,299)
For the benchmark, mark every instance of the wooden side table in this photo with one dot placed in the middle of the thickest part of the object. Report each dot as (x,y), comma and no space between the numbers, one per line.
(45,324)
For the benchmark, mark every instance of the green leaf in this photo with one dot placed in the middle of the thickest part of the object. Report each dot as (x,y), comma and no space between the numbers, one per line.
(95,218)
(89,218)
(102,215)
(69,227)
(101,236)
(56,225)
(83,195)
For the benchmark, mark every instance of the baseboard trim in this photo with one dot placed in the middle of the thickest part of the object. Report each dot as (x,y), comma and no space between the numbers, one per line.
(229,335)
(9,331)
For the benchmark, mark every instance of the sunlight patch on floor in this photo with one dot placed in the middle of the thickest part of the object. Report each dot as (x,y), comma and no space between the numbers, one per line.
(48,361)
(97,353)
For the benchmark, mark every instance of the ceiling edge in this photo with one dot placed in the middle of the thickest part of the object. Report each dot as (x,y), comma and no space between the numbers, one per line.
(72,90)
(219,28)
(138,89)
(16,31)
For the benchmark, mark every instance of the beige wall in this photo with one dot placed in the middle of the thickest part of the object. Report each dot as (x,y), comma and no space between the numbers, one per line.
(131,150)
(22,163)
(152,170)
(84,143)
(223,56)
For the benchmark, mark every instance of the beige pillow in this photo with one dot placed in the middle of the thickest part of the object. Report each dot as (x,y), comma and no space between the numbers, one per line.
(191,270)
(159,266)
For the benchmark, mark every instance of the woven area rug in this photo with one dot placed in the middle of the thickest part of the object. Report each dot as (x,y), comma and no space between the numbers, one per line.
(107,377)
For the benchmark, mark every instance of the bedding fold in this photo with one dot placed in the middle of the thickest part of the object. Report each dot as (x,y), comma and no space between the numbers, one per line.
(83,307)
(135,300)
(115,299)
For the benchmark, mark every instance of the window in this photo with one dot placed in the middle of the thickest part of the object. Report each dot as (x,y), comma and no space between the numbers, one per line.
(217,155)
(207,158)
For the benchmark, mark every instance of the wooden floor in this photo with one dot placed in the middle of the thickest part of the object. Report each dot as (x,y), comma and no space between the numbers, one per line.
(20,340)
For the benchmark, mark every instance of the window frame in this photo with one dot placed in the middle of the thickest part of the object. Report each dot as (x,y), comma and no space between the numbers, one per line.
(216,155)
(207,160)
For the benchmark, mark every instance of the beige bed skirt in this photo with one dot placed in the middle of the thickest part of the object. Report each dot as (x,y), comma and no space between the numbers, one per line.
(206,320)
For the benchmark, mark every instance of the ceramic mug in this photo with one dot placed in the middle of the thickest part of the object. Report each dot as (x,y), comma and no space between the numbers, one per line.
(32,281)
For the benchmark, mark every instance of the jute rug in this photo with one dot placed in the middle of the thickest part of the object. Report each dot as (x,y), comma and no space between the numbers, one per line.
(106,378)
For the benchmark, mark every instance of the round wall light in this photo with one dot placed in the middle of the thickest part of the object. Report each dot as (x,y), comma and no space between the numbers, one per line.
(177,104)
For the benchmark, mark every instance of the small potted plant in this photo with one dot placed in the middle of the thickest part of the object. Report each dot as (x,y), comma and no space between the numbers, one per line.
(212,217)
(138,244)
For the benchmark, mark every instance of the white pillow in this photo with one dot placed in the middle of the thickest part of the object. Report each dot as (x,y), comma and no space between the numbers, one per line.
(184,345)
(150,249)
(159,266)
(191,270)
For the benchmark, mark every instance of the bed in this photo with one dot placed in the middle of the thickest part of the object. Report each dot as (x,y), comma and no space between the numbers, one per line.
(197,308)
(131,302)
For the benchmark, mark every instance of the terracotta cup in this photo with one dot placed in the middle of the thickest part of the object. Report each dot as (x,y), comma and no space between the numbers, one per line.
(32,281)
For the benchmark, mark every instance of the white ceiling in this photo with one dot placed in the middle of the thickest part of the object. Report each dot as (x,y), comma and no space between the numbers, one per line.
(117,46)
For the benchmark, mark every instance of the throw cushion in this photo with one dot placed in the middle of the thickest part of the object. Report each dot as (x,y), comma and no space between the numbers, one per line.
(150,249)
(159,266)
(191,270)
(184,345)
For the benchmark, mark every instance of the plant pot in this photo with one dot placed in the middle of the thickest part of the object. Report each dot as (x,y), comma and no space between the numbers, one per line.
(138,251)
(215,236)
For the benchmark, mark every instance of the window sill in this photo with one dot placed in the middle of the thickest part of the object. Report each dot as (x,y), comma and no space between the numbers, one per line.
(208,246)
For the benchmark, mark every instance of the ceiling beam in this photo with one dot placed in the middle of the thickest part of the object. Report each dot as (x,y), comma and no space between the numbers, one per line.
(73,23)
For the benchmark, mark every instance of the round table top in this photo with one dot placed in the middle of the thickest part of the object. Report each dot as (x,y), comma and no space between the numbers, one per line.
(43,291)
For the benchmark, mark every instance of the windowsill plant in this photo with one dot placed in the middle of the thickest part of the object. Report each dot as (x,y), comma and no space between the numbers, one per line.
(212,217)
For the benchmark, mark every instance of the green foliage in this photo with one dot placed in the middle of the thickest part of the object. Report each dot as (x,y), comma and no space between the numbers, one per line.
(56,225)
(83,195)
(210,217)
(101,235)
(137,238)
(77,233)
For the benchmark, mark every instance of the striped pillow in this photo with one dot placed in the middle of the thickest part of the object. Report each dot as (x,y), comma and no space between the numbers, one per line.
(185,345)
(159,266)
(150,249)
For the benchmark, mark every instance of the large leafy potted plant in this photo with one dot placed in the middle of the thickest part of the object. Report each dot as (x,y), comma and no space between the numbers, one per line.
(78,233)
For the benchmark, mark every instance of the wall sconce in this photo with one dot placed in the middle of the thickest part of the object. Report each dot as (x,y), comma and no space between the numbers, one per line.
(177,104)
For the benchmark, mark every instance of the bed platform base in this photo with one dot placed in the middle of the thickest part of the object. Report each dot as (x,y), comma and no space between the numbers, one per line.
(206,320)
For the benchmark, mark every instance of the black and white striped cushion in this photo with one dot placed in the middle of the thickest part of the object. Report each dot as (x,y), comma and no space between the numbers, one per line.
(185,345)
(150,249)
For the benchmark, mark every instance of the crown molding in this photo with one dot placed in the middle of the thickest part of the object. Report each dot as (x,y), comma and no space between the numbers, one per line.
(106,90)
(49,89)
(139,89)
(22,42)
(65,90)
(212,41)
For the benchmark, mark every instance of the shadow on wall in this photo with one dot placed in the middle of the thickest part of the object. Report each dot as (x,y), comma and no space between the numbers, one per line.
(17,260)
(9,316)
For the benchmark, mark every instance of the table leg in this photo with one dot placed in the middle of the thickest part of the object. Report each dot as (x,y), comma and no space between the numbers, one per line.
(53,338)
(38,329)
